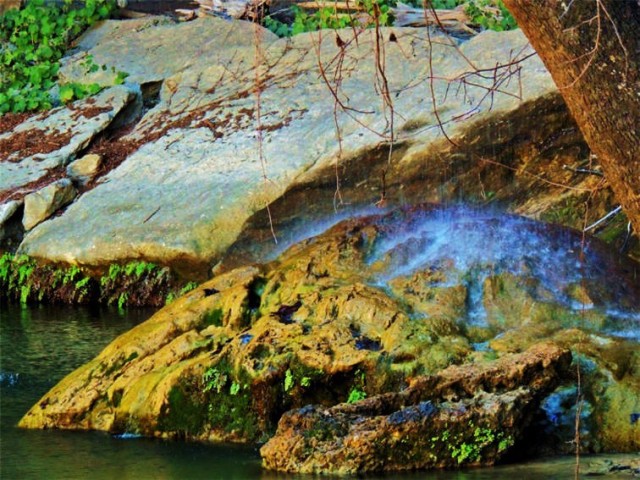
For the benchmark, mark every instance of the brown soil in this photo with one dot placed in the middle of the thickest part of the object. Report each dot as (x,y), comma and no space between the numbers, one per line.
(89,110)
(24,144)
(9,121)
(113,149)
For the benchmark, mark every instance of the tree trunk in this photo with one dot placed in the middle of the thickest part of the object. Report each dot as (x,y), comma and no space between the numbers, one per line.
(592,50)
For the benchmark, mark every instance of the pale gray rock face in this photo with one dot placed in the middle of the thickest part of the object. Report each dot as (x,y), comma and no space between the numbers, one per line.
(152,49)
(184,197)
(39,206)
(7,210)
(69,130)
(84,169)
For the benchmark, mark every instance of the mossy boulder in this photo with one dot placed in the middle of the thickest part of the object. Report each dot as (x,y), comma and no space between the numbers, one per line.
(364,309)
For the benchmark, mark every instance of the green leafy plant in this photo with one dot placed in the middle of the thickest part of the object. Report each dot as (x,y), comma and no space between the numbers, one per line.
(32,41)
(214,379)
(355,395)
(330,18)
(235,388)
(357,392)
(288,380)
(122,300)
(75,91)
(490,14)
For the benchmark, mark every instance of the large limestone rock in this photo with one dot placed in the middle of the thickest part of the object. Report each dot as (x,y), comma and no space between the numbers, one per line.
(152,49)
(199,177)
(362,310)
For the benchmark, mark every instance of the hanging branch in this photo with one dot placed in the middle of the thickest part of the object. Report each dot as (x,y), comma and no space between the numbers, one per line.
(259,61)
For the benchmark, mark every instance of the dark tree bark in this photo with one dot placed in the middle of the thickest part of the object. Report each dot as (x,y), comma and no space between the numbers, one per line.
(592,50)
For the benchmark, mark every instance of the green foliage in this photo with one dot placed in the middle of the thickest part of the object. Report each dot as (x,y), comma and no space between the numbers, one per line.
(443,4)
(5,264)
(379,10)
(171,297)
(116,285)
(355,395)
(15,275)
(488,14)
(188,287)
(357,391)
(76,91)
(32,41)
(122,300)
(281,29)
(288,380)
(21,278)
(230,409)
(330,18)
(136,283)
(235,388)
(471,451)
(326,17)
(214,379)
(300,375)
(491,15)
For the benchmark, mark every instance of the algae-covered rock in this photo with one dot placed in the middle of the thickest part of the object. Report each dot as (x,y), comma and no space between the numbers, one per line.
(469,415)
(364,309)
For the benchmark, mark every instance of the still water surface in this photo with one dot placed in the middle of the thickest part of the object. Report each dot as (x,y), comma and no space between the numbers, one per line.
(40,345)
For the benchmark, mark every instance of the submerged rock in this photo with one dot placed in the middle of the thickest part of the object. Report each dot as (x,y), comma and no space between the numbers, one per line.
(367,308)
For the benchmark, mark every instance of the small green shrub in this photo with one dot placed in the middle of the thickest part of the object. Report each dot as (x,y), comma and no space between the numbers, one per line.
(215,379)
(32,41)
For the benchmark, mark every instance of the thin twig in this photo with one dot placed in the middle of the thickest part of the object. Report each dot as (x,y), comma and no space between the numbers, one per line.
(604,219)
